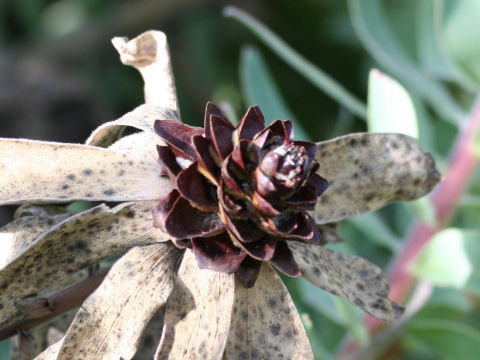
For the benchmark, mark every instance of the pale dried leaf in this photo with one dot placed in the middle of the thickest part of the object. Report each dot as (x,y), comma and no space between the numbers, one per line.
(367,171)
(18,235)
(36,171)
(142,145)
(51,353)
(265,323)
(43,210)
(143,117)
(77,243)
(198,313)
(149,54)
(111,320)
(348,276)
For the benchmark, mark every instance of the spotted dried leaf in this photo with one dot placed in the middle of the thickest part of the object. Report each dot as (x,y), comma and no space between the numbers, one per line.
(50,353)
(142,145)
(367,171)
(265,323)
(197,314)
(110,322)
(349,277)
(79,242)
(143,117)
(18,235)
(36,171)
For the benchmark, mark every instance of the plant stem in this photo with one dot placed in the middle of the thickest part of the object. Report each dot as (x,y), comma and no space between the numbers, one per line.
(43,308)
(445,198)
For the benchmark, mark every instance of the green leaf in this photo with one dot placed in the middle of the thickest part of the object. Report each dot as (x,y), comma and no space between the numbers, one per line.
(451,259)
(423,209)
(375,229)
(448,339)
(430,50)
(312,73)
(5,349)
(462,26)
(373,30)
(354,320)
(259,88)
(390,108)
(320,300)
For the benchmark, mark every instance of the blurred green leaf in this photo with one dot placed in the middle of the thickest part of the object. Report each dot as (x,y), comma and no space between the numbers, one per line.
(353,319)
(390,108)
(462,26)
(79,206)
(229,111)
(431,54)
(61,18)
(448,339)
(375,229)
(451,259)
(373,30)
(319,300)
(423,209)
(259,88)
(312,73)
(5,350)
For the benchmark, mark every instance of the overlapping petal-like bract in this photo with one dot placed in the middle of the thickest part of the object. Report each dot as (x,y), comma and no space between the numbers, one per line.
(241,192)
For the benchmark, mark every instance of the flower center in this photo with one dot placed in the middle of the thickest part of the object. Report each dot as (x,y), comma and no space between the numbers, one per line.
(289,164)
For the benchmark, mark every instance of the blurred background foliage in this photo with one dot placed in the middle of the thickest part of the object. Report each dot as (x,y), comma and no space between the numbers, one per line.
(60,78)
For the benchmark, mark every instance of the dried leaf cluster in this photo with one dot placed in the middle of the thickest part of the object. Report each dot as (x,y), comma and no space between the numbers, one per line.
(155,297)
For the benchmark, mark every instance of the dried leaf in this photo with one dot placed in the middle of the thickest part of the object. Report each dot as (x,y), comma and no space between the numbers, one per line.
(149,54)
(36,171)
(142,145)
(349,277)
(111,320)
(367,171)
(18,235)
(77,243)
(143,117)
(197,314)
(51,353)
(265,323)
(43,210)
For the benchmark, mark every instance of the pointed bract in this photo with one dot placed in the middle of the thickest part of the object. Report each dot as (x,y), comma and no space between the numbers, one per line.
(221,132)
(178,136)
(250,125)
(217,253)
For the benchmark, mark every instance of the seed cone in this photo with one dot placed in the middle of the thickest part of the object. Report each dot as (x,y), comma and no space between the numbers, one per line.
(241,192)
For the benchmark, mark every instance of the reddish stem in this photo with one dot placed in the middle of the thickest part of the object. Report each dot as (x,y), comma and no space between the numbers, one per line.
(462,164)
(43,308)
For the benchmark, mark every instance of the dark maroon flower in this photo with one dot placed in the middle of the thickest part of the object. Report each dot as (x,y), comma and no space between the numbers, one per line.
(241,192)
